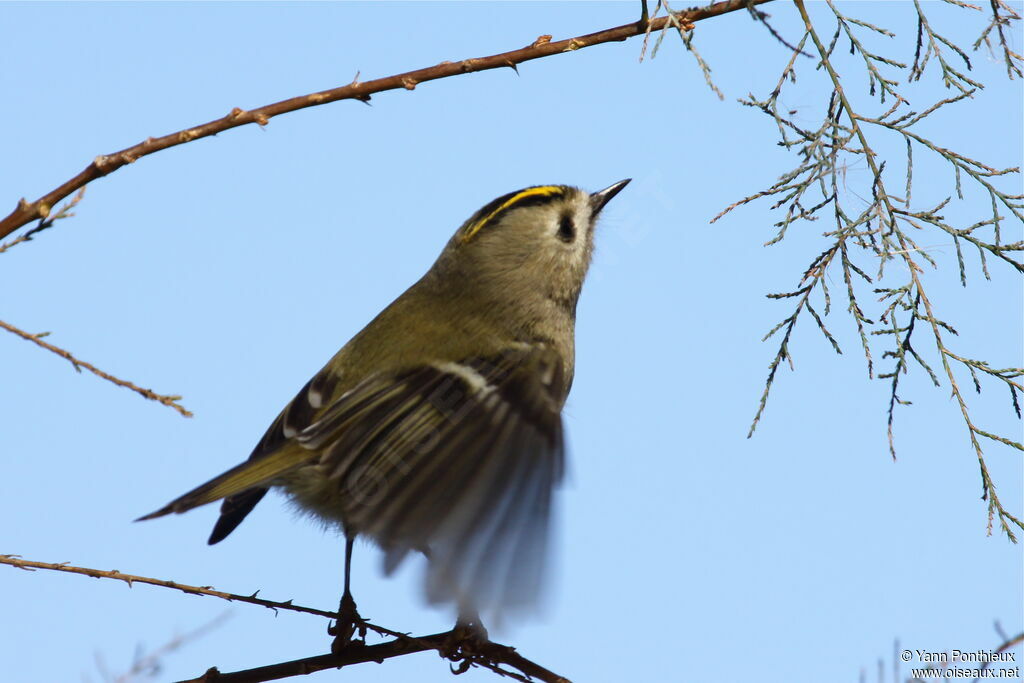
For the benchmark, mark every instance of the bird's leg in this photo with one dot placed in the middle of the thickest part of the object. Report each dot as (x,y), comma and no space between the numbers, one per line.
(644,17)
(349,621)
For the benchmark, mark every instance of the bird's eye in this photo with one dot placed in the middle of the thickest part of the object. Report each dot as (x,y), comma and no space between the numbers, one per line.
(566,229)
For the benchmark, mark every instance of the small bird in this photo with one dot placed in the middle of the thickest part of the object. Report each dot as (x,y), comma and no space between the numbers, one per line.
(437,428)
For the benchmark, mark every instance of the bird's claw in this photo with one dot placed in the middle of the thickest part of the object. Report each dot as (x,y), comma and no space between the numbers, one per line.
(464,644)
(347,625)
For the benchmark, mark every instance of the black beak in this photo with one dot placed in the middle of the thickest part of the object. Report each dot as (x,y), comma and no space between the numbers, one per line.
(599,199)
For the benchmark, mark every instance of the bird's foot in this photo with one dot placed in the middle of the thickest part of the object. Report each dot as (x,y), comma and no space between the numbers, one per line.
(466,643)
(348,624)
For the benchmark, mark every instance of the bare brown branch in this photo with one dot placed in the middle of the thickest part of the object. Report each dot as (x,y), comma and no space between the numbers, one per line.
(26,211)
(451,644)
(171,401)
(487,654)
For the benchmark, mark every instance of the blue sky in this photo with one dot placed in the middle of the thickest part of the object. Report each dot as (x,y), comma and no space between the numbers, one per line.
(228,270)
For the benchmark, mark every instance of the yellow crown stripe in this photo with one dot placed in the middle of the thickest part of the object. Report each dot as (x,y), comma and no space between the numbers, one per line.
(541,191)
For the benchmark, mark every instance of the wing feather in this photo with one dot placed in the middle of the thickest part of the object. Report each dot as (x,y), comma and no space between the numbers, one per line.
(462,466)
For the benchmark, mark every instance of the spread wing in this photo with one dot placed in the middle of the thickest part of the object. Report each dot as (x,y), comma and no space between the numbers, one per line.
(459,460)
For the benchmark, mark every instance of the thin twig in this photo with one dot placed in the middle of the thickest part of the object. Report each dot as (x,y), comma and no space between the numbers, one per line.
(46,223)
(171,401)
(30,565)
(105,164)
(1008,644)
(887,215)
(150,663)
